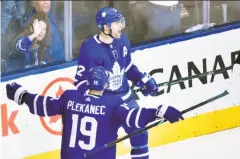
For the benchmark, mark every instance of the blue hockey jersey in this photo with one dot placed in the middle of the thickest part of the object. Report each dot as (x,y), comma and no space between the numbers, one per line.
(89,121)
(115,58)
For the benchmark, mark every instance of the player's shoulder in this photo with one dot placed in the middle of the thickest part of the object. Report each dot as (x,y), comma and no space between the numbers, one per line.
(90,45)
(91,41)
(112,99)
(72,93)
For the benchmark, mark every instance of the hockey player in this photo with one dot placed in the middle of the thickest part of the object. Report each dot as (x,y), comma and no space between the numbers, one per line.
(90,119)
(112,50)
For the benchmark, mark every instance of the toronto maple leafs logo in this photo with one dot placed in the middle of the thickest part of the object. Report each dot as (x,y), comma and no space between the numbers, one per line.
(104,14)
(115,77)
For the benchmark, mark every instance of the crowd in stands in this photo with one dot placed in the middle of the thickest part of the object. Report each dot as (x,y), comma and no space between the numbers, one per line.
(32,32)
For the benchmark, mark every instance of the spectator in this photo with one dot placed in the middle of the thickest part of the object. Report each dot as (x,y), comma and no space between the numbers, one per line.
(12,11)
(165,18)
(161,17)
(11,18)
(55,45)
(138,21)
(31,44)
(232,11)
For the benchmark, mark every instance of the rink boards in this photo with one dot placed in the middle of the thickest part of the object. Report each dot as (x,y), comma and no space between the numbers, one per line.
(24,134)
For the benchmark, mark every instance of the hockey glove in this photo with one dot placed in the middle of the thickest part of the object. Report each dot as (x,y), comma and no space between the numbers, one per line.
(148,85)
(145,91)
(15,92)
(169,113)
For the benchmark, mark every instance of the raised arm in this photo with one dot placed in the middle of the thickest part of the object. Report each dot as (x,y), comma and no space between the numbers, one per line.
(39,105)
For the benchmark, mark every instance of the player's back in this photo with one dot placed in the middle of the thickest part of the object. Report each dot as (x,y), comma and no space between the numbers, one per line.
(89,123)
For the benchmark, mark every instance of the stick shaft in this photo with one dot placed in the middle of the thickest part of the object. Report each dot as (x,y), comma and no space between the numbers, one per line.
(156,123)
(189,78)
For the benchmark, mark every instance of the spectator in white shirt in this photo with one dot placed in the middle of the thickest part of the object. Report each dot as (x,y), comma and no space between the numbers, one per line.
(162,18)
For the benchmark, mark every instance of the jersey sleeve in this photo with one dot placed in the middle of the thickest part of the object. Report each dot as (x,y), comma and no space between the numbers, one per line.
(87,59)
(134,117)
(23,44)
(44,105)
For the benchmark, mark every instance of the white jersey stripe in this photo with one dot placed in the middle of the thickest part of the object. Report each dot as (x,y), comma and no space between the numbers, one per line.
(80,83)
(137,118)
(35,104)
(141,155)
(128,117)
(95,38)
(45,106)
(129,66)
(127,95)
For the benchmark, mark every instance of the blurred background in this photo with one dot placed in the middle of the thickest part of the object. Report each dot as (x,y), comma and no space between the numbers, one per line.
(66,24)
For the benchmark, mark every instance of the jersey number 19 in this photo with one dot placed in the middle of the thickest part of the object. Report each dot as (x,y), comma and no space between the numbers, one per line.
(91,133)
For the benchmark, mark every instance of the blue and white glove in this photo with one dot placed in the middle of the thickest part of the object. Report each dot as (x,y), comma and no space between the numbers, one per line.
(148,85)
(169,113)
(15,92)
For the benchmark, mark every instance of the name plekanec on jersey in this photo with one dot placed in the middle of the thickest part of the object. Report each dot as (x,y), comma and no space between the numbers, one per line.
(86,108)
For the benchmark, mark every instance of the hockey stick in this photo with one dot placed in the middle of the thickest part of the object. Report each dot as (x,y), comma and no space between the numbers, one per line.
(189,78)
(153,125)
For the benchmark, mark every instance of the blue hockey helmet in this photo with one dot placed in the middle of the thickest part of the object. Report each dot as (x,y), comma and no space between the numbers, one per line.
(98,77)
(107,15)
